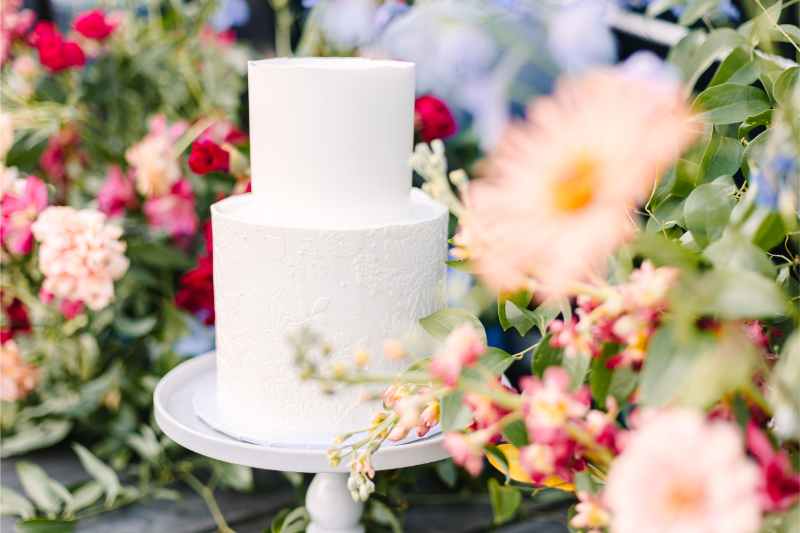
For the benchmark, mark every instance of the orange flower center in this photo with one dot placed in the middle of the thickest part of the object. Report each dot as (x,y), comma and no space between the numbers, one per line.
(683,496)
(576,187)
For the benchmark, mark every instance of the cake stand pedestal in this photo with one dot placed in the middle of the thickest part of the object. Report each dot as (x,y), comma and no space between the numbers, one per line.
(329,504)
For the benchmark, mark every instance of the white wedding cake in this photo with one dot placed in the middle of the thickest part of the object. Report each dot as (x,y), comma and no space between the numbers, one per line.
(332,238)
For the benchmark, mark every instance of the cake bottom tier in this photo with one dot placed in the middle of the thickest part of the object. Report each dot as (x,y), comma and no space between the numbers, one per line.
(353,286)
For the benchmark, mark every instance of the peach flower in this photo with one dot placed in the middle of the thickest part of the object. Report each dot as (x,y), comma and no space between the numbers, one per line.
(17,379)
(154,157)
(558,190)
(80,255)
(680,473)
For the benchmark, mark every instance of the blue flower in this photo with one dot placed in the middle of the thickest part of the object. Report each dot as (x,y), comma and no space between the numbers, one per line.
(229,14)
(766,192)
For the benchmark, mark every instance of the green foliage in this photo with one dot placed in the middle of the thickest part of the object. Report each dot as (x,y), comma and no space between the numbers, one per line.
(519,299)
(289,521)
(442,322)
(545,355)
(505,501)
(516,434)
(523,320)
(708,208)
(728,103)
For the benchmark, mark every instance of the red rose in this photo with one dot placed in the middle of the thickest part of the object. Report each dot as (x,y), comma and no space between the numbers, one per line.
(16,320)
(432,118)
(55,53)
(94,24)
(207,156)
(197,291)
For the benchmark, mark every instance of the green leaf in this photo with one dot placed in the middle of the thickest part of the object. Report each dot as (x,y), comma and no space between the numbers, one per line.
(762,119)
(736,68)
(707,210)
(668,364)
(664,252)
(519,299)
(496,361)
(383,515)
(41,525)
(698,51)
(576,367)
(145,443)
(585,482)
(42,435)
(658,7)
(516,434)
(37,486)
(524,320)
(135,327)
(455,415)
(722,157)
(447,472)
(15,504)
(465,265)
(604,382)
(695,10)
(755,150)
(786,90)
(668,214)
(738,294)
(237,477)
(761,22)
(728,103)
(733,252)
(100,471)
(545,355)
(441,323)
(160,256)
(505,501)
(84,496)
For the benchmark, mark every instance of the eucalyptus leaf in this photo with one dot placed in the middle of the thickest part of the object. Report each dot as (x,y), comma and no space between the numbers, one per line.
(733,252)
(505,501)
(697,51)
(728,103)
(787,91)
(544,356)
(447,472)
(737,295)
(736,68)
(577,367)
(15,504)
(37,486)
(519,299)
(42,435)
(442,322)
(695,10)
(764,228)
(100,471)
(722,157)
(523,320)
(755,150)
(383,515)
(657,7)
(665,252)
(707,210)
(762,119)
(41,525)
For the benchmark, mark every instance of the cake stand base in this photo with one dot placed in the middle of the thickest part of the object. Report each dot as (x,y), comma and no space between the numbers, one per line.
(329,504)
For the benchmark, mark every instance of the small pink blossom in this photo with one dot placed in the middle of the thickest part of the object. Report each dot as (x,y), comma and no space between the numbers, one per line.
(19,214)
(174,211)
(573,341)
(549,404)
(682,473)
(80,255)
(17,379)
(463,346)
(13,25)
(464,452)
(154,159)
(779,486)
(542,461)
(71,308)
(590,513)
(428,418)
(117,194)
(223,131)
(649,288)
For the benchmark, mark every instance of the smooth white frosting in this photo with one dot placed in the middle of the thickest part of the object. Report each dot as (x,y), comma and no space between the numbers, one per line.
(353,285)
(330,139)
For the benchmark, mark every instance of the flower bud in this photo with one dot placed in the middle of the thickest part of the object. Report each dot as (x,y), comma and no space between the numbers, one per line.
(459,179)
(393,349)
(363,492)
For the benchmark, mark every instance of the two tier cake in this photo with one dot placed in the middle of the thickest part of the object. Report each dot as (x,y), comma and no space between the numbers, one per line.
(332,238)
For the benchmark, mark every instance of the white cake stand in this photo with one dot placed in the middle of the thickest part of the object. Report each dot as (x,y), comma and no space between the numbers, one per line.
(329,504)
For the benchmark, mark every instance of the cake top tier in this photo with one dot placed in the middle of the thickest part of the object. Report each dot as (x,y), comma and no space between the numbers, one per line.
(330,139)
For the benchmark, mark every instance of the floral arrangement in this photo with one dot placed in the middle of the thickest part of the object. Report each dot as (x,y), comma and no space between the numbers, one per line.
(647,227)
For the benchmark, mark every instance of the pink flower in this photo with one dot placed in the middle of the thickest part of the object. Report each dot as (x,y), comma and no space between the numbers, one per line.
(590,513)
(428,418)
(224,131)
(574,342)
(61,151)
(681,473)
(80,256)
(117,194)
(19,214)
(154,158)
(649,288)
(779,486)
(463,346)
(17,379)
(484,411)
(550,405)
(13,25)
(71,308)
(432,118)
(55,53)
(543,461)
(95,24)
(175,211)
(464,452)
(558,188)
(16,320)
(207,156)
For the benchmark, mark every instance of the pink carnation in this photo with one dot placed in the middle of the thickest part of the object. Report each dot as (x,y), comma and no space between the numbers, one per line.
(80,255)
(117,194)
(683,473)
(154,159)
(19,213)
(174,211)
(17,379)
(13,25)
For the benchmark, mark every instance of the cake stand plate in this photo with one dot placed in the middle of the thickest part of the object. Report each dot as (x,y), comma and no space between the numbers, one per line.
(328,501)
